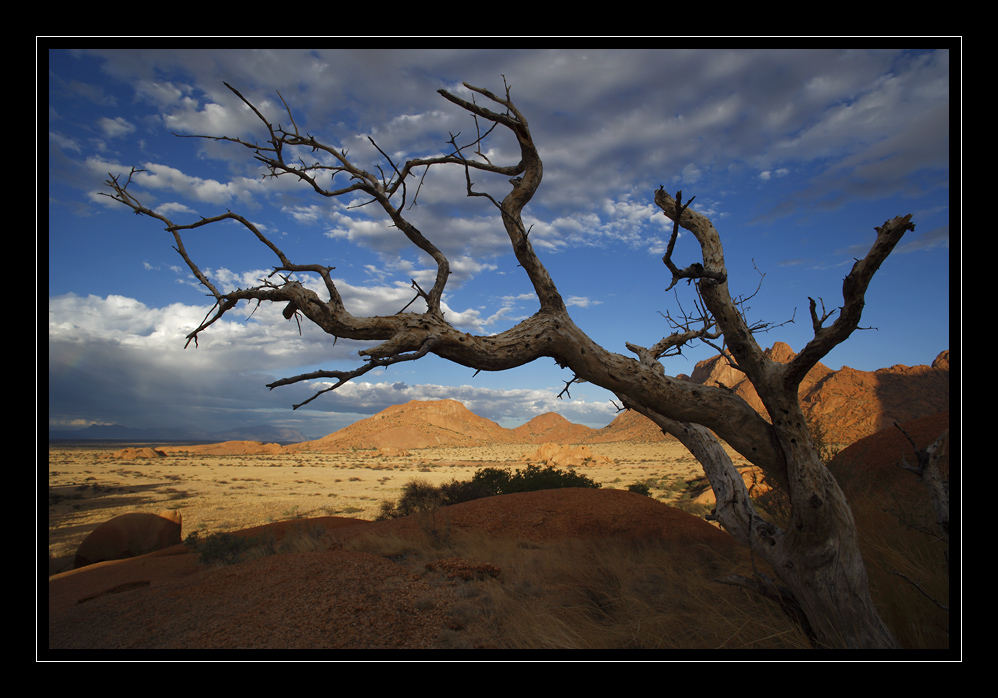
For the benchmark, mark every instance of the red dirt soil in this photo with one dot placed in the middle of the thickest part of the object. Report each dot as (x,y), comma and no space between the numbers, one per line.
(332,599)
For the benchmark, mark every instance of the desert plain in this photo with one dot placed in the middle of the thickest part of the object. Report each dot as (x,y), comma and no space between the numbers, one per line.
(214,493)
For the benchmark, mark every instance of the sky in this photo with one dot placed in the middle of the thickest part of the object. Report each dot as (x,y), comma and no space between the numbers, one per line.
(794,154)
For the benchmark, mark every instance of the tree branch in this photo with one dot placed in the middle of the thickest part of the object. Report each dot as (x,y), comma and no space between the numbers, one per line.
(343,377)
(696,270)
(854,288)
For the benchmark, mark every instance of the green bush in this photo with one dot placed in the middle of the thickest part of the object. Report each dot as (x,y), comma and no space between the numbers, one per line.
(457,491)
(420,496)
(534,478)
(640,488)
(530,479)
(417,495)
(492,480)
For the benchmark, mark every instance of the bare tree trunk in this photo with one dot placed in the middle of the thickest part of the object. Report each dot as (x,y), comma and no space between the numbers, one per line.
(824,582)
(817,557)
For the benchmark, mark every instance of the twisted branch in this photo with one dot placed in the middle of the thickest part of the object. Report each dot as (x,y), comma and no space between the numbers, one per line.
(343,377)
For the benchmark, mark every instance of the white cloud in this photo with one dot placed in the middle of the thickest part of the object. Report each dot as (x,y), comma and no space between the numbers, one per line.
(64,142)
(158,176)
(160,93)
(213,119)
(508,407)
(618,221)
(769,174)
(116,127)
(304,214)
(172,208)
(115,359)
(690,173)
(251,337)
(580,301)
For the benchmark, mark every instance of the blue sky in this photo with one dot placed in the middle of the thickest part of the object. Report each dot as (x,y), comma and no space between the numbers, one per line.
(794,154)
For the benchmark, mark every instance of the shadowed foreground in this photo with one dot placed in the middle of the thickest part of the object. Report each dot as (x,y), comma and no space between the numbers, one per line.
(398,584)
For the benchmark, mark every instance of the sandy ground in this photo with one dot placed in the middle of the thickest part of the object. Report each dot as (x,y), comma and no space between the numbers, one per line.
(222,493)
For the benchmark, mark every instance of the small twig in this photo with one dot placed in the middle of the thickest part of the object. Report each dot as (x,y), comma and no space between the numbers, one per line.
(564,391)
(343,377)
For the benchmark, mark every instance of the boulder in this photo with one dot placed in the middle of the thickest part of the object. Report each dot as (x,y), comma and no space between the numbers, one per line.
(129,535)
(753,477)
(132,453)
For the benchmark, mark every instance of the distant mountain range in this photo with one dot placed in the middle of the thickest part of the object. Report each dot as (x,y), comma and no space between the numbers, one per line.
(443,423)
(847,404)
(117,432)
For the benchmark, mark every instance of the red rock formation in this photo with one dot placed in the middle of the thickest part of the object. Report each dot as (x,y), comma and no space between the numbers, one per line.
(565,456)
(847,404)
(227,448)
(131,453)
(340,598)
(753,477)
(129,535)
(628,426)
(851,404)
(868,469)
(551,426)
(717,371)
(416,424)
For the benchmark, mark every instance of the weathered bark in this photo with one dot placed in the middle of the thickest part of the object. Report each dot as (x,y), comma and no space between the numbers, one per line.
(927,469)
(824,583)
(816,558)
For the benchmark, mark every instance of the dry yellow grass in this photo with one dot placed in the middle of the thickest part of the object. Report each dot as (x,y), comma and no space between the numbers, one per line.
(561,594)
(230,492)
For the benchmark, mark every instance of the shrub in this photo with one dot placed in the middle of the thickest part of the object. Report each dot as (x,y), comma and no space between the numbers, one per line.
(421,496)
(534,477)
(457,491)
(492,480)
(530,479)
(223,548)
(417,495)
(640,488)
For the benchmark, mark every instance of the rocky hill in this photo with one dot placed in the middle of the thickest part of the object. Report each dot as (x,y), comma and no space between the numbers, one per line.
(847,404)
(627,426)
(551,427)
(870,465)
(415,424)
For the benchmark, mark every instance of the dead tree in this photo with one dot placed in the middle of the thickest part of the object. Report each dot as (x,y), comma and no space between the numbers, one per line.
(816,557)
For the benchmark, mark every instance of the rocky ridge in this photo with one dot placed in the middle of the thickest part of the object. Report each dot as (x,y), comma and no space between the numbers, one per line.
(412,425)
(846,404)
(551,427)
